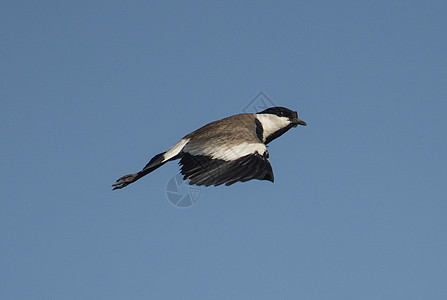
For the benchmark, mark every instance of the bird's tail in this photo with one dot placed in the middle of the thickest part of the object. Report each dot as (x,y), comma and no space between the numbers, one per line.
(156,162)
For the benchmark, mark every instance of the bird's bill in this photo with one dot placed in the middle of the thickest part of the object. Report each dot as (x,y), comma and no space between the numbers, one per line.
(296,121)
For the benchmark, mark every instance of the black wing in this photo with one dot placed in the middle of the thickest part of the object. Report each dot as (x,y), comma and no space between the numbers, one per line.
(204,170)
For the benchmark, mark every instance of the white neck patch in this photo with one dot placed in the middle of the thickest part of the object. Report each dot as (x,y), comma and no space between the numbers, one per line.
(271,123)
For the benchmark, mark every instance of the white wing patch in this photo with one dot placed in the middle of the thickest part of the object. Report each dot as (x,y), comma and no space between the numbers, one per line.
(271,123)
(174,150)
(226,153)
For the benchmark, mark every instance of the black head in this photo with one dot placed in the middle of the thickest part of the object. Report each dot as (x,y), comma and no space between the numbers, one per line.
(284,112)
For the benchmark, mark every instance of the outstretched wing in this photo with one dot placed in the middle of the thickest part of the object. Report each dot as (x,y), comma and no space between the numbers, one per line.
(205,170)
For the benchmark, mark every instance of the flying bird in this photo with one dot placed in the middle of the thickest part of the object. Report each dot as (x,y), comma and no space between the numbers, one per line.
(225,151)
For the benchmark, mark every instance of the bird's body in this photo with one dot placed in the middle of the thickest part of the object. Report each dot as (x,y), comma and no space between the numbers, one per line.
(225,151)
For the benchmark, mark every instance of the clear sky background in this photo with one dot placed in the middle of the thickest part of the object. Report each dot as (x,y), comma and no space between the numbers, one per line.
(91,90)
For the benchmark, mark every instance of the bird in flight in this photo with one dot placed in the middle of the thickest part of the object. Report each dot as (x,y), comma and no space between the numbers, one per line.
(225,151)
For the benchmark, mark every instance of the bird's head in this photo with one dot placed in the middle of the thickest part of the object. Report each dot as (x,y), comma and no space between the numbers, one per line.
(282,116)
(276,121)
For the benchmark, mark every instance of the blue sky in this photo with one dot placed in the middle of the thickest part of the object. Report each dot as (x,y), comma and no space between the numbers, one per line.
(91,90)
